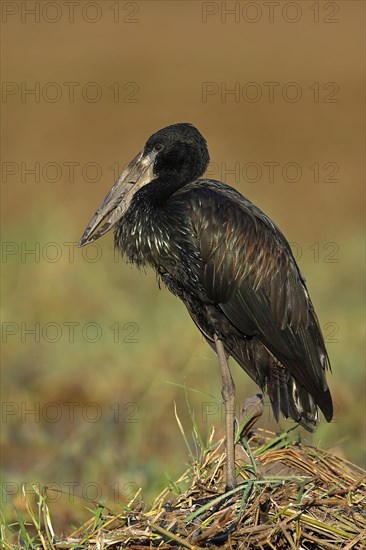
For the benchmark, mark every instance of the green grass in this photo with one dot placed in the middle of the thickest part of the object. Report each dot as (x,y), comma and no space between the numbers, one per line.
(122,434)
(291,494)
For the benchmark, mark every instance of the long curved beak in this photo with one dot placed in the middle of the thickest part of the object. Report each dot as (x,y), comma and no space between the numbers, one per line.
(138,173)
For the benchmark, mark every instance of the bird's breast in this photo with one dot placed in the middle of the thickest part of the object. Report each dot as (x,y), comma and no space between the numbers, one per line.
(142,244)
(162,240)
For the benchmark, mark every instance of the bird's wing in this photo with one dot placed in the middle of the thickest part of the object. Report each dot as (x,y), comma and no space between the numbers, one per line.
(249,270)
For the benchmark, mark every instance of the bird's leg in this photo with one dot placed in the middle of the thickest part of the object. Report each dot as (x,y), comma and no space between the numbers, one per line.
(228,395)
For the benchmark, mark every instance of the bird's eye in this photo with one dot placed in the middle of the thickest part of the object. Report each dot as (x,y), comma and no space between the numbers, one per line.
(158,147)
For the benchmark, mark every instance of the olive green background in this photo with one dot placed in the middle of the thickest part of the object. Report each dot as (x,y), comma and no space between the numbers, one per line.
(107,343)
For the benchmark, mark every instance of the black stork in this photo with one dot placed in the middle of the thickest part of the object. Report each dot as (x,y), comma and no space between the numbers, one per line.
(230,265)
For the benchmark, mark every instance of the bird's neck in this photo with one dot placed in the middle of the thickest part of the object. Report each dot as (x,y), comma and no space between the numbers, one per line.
(157,192)
(144,233)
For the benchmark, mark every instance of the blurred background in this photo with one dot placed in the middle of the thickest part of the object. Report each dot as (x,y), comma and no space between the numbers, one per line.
(94,355)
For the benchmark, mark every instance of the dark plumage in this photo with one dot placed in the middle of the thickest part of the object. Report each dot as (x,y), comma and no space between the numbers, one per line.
(227,261)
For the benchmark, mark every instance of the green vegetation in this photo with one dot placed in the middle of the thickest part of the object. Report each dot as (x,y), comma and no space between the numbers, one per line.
(97,418)
(289,495)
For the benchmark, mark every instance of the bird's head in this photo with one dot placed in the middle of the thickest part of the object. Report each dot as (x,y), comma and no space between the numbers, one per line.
(176,154)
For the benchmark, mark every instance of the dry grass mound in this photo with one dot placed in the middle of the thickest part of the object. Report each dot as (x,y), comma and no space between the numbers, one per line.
(289,496)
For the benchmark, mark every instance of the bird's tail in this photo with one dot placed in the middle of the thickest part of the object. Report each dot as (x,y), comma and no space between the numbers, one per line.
(291,398)
(287,396)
